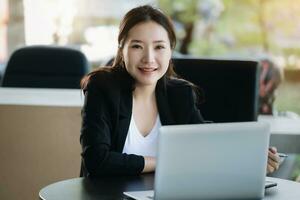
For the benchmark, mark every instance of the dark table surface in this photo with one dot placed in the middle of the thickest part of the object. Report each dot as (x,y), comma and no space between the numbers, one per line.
(113,188)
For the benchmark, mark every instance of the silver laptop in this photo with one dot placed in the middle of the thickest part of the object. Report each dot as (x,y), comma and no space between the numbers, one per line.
(210,161)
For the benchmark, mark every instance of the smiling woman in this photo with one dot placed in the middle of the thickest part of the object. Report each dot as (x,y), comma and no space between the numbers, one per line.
(127,103)
(147,55)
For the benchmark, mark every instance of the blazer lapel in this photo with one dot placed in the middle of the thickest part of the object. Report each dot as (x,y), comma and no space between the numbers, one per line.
(125,112)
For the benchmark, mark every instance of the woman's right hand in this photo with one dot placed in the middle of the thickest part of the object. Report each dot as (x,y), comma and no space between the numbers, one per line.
(150,163)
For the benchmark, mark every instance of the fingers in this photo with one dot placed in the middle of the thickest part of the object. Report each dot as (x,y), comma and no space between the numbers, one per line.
(273,160)
(274,165)
(274,156)
(273,150)
(270,169)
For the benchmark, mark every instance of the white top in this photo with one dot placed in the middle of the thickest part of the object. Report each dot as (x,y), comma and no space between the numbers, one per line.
(137,144)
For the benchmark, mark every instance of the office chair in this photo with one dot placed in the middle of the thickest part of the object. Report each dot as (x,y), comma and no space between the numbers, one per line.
(230,87)
(45,67)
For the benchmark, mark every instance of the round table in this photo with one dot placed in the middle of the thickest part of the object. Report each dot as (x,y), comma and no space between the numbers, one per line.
(113,188)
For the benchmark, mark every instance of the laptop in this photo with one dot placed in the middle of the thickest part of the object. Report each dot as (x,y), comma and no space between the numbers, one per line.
(210,161)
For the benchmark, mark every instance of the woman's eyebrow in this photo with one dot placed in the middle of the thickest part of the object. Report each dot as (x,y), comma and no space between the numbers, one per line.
(159,41)
(140,41)
(136,41)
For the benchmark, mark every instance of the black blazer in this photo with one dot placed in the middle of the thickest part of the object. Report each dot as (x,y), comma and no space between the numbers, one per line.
(106,117)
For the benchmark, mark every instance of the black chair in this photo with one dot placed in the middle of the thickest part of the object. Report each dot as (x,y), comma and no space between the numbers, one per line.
(45,67)
(230,87)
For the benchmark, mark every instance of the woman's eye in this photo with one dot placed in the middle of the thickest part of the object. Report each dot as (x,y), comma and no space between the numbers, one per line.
(135,46)
(159,47)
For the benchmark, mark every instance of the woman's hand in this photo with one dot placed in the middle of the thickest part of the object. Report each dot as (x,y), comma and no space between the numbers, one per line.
(150,163)
(273,160)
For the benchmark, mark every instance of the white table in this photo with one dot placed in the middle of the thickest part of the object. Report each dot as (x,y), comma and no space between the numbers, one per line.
(41,97)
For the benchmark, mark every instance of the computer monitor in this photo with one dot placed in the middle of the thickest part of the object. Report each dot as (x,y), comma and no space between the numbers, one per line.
(230,87)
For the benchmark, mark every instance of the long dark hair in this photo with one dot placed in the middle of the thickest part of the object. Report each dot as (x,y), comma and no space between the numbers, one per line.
(135,16)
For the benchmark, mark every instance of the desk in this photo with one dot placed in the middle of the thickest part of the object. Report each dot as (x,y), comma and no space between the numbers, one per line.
(113,188)
(39,138)
(41,97)
(285,133)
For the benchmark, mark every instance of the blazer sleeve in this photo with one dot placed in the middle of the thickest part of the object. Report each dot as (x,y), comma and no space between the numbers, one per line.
(96,139)
(195,116)
(183,103)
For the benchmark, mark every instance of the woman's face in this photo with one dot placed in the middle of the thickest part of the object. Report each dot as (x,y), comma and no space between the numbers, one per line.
(147,53)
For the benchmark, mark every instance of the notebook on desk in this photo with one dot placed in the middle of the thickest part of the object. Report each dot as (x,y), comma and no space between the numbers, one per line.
(210,161)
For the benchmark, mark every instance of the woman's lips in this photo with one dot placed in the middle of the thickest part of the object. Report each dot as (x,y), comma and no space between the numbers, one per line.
(147,69)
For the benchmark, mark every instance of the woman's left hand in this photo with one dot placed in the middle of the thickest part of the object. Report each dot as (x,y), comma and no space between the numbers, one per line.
(273,160)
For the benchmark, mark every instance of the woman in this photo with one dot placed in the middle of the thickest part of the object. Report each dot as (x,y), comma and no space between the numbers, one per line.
(127,103)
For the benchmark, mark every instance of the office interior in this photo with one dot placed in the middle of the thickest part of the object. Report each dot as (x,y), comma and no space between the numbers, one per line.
(40,123)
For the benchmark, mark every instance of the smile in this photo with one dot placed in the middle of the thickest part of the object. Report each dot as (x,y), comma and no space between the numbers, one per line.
(147,69)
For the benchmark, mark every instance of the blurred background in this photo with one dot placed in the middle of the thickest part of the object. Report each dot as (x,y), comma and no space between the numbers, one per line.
(266,30)
(259,29)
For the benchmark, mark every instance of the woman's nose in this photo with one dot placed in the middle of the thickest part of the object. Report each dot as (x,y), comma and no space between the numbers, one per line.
(148,56)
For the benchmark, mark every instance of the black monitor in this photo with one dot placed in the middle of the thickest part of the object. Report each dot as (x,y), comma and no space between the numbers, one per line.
(231,87)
